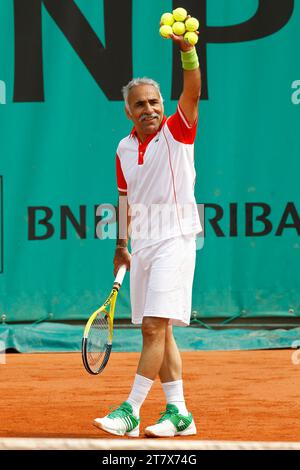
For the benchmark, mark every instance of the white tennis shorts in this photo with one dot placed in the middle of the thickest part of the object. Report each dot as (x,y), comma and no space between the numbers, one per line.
(161,280)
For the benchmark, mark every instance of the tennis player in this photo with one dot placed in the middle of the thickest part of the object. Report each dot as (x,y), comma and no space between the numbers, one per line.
(155,172)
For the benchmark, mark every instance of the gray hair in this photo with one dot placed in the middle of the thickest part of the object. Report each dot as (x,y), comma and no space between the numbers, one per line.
(136,82)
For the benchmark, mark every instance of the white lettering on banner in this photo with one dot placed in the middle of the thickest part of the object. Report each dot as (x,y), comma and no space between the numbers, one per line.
(106,226)
(122,217)
(138,227)
(158,220)
(295,98)
(144,223)
(162,217)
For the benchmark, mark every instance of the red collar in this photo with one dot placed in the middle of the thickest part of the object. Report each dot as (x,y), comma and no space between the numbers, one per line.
(143,145)
(133,133)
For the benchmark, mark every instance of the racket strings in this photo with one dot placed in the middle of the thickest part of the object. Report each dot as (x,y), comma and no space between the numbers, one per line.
(97,340)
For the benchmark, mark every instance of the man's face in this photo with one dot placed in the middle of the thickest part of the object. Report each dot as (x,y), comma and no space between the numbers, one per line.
(145,109)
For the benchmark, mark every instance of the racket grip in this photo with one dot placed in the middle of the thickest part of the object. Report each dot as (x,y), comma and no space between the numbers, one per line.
(120,275)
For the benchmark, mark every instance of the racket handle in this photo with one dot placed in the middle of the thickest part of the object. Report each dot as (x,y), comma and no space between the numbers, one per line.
(120,275)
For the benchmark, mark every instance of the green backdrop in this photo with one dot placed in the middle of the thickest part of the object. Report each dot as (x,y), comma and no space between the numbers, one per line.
(59,153)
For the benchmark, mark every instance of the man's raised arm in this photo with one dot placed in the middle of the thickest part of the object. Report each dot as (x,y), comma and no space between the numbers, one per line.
(189,98)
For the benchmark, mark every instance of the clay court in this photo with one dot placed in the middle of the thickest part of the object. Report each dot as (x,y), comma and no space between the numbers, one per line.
(234,396)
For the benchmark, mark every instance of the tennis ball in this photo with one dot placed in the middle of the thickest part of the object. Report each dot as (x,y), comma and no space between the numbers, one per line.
(178,28)
(167,19)
(192,24)
(179,14)
(191,38)
(165,31)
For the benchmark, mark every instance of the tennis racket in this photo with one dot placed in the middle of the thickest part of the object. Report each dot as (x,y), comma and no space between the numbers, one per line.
(98,332)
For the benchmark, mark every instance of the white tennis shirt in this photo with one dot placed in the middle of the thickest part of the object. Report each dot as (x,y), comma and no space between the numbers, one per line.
(158,176)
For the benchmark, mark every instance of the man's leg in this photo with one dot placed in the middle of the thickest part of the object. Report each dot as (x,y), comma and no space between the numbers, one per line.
(154,337)
(171,374)
(171,368)
(125,420)
(176,420)
(154,340)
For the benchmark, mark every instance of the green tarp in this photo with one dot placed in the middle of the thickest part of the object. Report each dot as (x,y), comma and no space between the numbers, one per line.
(53,337)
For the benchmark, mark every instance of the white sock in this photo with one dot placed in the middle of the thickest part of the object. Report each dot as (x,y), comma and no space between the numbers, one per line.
(139,392)
(174,395)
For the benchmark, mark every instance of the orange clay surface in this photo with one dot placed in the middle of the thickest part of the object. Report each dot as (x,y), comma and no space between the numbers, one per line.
(239,395)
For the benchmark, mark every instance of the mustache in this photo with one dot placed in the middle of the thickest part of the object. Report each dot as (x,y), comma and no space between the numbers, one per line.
(148,116)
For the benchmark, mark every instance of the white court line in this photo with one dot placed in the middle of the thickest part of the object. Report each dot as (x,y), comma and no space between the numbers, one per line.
(7,443)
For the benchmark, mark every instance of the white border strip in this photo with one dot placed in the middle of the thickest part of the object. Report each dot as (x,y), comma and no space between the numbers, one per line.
(138,444)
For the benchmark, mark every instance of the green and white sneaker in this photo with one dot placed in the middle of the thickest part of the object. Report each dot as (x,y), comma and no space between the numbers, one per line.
(171,424)
(120,421)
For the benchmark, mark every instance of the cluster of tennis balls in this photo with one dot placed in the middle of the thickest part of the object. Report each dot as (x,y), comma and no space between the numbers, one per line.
(181,24)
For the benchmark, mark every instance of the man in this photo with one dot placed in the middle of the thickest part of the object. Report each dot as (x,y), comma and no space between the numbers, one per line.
(155,169)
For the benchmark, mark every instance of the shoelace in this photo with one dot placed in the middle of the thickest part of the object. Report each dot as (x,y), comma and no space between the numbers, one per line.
(167,414)
(120,412)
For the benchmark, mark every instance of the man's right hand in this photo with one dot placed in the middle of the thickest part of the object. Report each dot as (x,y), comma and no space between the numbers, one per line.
(122,256)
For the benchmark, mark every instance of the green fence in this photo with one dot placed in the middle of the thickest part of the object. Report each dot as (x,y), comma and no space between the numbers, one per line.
(62,65)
